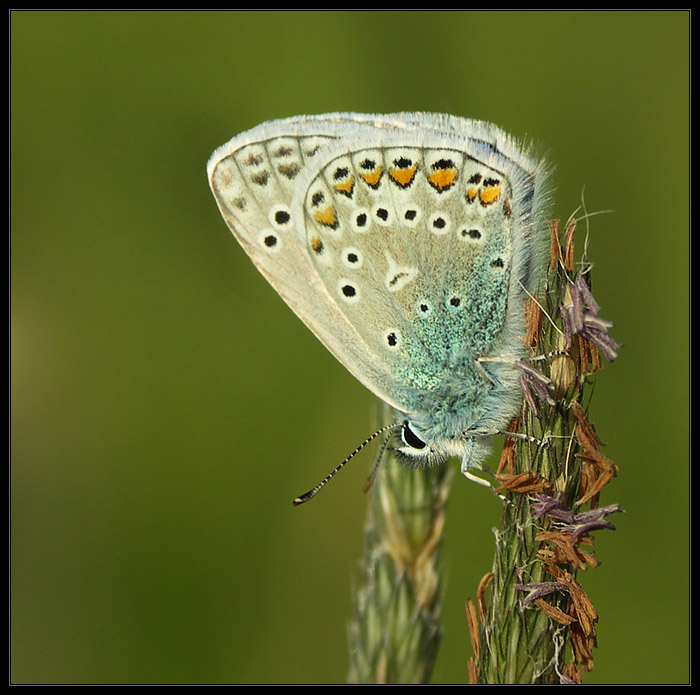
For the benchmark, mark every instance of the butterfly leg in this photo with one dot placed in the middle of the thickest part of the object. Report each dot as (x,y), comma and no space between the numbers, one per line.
(476,431)
(478,447)
(476,450)
(476,479)
(468,465)
(522,437)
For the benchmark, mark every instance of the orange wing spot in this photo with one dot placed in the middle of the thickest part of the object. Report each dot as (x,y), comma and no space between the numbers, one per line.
(403,176)
(346,187)
(316,244)
(489,194)
(327,217)
(471,194)
(442,178)
(372,177)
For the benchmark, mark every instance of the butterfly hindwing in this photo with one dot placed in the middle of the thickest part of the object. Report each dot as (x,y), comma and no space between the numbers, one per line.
(415,237)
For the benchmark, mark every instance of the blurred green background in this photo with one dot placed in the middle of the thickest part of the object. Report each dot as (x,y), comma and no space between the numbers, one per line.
(166,406)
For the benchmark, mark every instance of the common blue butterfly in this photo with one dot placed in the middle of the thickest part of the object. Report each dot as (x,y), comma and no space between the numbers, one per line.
(408,243)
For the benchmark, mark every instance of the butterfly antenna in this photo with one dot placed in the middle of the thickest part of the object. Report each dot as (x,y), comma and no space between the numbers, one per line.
(380,457)
(315,490)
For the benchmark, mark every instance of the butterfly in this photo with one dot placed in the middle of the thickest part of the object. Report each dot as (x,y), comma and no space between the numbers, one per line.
(408,243)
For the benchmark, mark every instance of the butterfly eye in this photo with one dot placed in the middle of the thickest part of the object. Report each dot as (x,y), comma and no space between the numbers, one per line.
(410,438)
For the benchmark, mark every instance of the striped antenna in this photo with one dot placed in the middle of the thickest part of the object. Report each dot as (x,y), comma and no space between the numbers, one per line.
(380,457)
(315,490)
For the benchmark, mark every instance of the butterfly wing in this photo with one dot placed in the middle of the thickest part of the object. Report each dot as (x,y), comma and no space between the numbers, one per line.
(253,180)
(385,235)
(427,240)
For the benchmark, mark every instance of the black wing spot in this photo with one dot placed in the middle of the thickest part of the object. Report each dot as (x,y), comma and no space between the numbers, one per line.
(282,217)
(382,214)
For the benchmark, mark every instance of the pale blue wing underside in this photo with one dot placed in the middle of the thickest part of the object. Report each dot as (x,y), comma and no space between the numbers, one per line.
(402,241)
(253,178)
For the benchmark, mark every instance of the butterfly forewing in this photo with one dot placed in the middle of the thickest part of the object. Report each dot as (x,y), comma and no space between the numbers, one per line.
(253,178)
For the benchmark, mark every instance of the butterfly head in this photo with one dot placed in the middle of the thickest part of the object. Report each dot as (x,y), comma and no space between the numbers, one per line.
(416,449)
